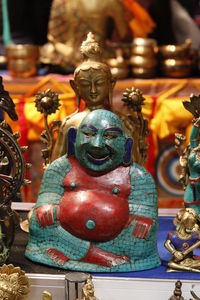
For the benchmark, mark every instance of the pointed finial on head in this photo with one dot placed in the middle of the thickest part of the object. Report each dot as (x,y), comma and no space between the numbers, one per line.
(90,49)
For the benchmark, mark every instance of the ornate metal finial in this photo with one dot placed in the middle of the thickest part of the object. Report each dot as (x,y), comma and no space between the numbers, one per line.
(136,124)
(14,284)
(90,49)
(47,103)
(177,292)
(133,98)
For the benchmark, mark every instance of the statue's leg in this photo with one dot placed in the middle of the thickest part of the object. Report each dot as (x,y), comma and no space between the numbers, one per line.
(104,258)
(192,197)
(181,267)
(55,246)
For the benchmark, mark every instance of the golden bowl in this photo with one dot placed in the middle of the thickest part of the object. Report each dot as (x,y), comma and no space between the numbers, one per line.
(144,51)
(118,62)
(144,42)
(22,60)
(143,73)
(177,67)
(143,62)
(120,73)
(175,51)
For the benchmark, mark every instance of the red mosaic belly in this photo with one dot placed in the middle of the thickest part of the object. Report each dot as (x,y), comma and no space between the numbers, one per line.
(93,215)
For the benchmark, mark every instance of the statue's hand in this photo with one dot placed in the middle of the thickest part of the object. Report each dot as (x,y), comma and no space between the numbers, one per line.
(196,122)
(178,255)
(47,214)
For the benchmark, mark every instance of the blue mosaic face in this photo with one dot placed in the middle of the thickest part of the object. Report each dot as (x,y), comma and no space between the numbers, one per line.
(100,141)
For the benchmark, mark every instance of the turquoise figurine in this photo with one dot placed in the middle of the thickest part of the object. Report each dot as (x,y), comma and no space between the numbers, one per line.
(96,211)
(192,192)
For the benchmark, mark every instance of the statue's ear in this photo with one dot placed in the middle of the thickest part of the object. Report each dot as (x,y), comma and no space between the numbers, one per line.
(113,81)
(128,151)
(74,87)
(71,134)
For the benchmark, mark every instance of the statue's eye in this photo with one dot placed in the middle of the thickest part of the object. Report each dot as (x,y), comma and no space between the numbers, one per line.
(110,137)
(100,82)
(88,134)
(85,83)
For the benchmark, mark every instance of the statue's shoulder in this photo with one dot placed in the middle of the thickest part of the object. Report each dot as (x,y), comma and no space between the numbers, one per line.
(139,173)
(143,188)
(73,120)
(60,166)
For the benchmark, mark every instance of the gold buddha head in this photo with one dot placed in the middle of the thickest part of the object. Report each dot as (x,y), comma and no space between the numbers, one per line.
(93,81)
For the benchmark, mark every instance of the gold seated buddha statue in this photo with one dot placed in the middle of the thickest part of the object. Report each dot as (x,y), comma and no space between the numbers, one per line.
(93,83)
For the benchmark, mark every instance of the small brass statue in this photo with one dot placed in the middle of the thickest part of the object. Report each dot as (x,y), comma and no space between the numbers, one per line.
(14,284)
(88,290)
(183,241)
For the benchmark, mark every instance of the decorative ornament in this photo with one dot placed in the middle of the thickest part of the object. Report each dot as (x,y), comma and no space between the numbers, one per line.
(14,284)
(133,98)
(47,103)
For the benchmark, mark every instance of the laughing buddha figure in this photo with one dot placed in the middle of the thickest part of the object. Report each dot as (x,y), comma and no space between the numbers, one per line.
(96,210)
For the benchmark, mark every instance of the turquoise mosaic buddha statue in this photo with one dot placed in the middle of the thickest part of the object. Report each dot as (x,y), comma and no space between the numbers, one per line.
(96,210)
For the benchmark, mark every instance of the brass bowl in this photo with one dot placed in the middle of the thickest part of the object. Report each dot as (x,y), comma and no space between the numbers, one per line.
(177,67)
(144,42)
(175,51)
(120,73)
(118,62)
(143,73)
(119,67)
(143,62)
(144,51)
(22,60)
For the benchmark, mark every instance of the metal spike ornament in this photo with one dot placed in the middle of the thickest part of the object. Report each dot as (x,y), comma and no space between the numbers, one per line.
(12,174)
(136,124)
(47,102)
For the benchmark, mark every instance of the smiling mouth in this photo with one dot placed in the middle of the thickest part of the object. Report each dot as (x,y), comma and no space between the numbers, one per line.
(97,158)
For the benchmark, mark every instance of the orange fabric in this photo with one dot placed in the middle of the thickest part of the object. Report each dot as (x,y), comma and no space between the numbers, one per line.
(142,23)
(34,119)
